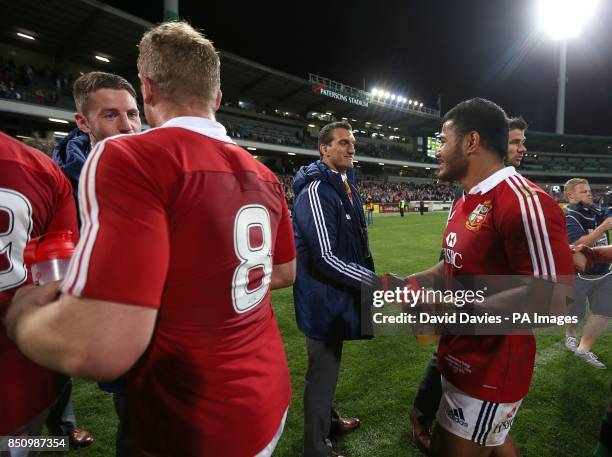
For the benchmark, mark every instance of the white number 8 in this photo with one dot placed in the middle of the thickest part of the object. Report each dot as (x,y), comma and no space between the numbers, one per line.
(15,228)
(253,246)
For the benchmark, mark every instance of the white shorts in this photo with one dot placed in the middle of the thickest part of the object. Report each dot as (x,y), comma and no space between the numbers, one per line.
(482,422)
(269,449)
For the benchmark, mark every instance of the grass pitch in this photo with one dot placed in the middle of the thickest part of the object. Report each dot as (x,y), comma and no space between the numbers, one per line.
(378,380)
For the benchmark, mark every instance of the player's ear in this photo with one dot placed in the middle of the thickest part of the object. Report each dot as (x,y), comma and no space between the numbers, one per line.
(472,141)
(218,99)
(146,87)
(81,122)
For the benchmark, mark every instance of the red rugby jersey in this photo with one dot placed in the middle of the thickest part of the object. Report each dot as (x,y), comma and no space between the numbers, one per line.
(181,219)
(505,225)
(35,197)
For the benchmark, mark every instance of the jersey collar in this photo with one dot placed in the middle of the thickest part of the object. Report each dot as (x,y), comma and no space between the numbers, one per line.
(489,183)
(201,125)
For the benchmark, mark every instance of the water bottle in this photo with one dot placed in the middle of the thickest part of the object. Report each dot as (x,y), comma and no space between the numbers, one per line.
(48,256)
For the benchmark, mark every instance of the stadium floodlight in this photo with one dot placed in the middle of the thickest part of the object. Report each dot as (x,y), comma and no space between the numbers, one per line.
(392,96)
(374,91)
(564,19)
(421,105)
(26,36)
(387,94)
(102,59)
(410,102)
(58,121)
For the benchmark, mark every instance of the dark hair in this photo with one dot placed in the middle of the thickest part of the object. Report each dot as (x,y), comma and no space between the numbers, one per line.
(90,82)
(326,135)
(484,117)
(517,123)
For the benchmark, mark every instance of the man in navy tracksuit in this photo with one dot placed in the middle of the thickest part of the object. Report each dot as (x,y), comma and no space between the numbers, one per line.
(333,263)
(589,225)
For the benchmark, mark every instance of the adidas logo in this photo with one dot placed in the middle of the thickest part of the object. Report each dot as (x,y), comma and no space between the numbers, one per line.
(456,415)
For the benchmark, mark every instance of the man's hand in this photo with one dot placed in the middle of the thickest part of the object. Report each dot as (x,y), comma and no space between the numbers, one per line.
(391,281)
(583,257)
(27,298)
(605,225)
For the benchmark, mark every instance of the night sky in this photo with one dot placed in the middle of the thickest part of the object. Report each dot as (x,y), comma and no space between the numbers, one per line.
(417,48)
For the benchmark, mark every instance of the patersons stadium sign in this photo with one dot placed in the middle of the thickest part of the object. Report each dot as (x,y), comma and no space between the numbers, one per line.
(320,89)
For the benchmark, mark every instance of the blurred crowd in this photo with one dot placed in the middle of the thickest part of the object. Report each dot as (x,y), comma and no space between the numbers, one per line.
(45,85)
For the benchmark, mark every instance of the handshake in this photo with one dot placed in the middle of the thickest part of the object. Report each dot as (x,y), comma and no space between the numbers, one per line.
(405,291)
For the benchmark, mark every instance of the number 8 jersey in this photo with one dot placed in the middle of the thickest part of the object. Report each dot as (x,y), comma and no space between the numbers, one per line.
(181,219)
(35,197)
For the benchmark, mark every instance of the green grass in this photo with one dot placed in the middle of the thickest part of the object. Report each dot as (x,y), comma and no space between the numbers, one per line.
(378,379)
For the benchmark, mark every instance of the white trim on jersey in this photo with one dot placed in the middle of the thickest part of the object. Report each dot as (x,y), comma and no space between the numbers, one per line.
(537,234)
(201,125)
(323,236)
(79,266)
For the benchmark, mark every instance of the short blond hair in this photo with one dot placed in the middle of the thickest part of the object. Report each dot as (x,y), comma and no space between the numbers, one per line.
(572,183)
(181,63)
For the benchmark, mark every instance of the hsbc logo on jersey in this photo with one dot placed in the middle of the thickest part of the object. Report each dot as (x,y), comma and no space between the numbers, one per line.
(451,256)
(451,239)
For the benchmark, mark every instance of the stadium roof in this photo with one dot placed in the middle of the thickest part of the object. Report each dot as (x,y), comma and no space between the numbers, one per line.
(81,29)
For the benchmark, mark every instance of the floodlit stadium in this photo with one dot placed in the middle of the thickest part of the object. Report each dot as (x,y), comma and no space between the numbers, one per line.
(276,116)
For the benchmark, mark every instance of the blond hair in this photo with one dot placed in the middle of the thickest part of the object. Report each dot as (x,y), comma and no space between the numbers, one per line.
(180,62)
(572,183)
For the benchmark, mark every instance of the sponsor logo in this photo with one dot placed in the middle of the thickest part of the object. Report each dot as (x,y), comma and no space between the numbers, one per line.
(511,413)
(451,239)
(503,425)
(452,257)
(456,415)
(479,215)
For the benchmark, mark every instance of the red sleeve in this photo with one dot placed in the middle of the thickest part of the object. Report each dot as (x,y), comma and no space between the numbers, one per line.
(533,230)
(284,248)
(64,216)
(123,253)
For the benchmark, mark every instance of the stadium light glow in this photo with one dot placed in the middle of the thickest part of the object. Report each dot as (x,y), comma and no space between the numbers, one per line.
(250,148)
(60,133)
(312,126)
(381,164)
(102,59)
(421,105)
(410,102)
(374,91)
(26,36)
(291,153)
(565,18)
(427,168)
(392,96)
(387,94)
(58,121)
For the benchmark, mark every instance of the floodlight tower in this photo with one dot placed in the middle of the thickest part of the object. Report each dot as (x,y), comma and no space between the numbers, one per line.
(564,19)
